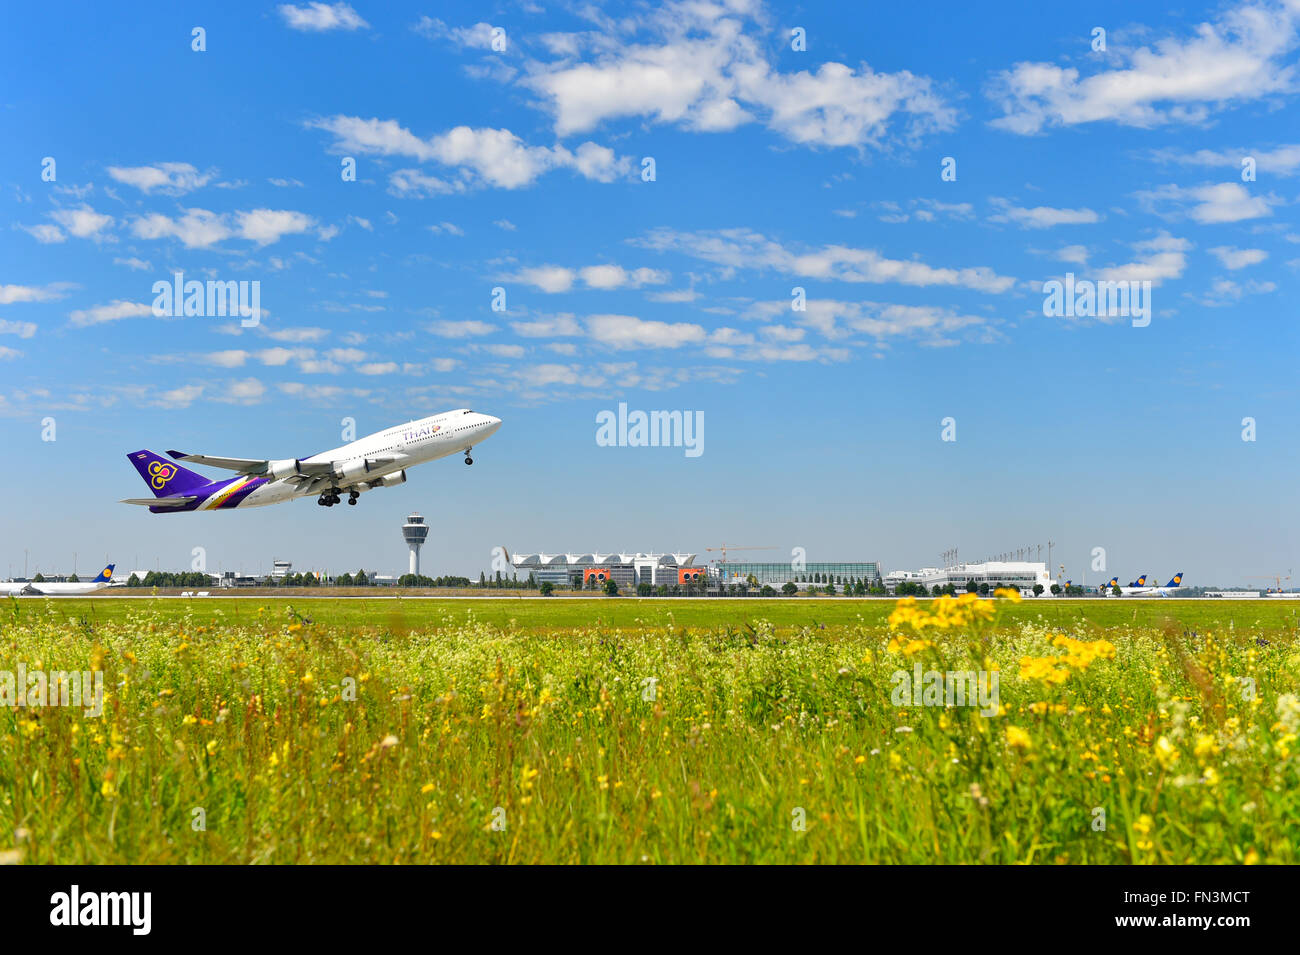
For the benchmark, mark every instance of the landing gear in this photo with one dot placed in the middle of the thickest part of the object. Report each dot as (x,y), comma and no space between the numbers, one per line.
(468,459)
(352,497)
(330,498)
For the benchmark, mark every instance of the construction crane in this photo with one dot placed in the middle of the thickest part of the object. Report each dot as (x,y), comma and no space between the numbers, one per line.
(724,548)
(1276,578)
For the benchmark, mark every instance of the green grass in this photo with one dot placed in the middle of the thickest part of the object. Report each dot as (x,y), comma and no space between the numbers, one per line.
(533,613)
(534,712)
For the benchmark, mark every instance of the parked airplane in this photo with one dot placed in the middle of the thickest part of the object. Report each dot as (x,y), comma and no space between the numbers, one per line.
(1166,591)
(1135,587)
(377,460)
(50,588)
(1106,587)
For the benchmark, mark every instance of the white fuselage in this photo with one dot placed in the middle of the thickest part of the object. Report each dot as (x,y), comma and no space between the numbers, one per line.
(427,439)
(48,588)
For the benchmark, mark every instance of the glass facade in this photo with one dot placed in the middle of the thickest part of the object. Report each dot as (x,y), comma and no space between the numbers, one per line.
(777,574)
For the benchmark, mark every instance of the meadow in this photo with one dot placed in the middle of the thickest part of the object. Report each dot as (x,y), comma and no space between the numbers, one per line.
(318,730)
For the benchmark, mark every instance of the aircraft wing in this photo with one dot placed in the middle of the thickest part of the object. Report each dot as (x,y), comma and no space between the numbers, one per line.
(179,500)
(247,465)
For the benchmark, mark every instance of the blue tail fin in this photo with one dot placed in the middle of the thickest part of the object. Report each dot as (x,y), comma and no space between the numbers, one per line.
(164,477)
(105,575)
(1177,580)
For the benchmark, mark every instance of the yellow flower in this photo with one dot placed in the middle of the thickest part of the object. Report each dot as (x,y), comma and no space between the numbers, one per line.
(1010,593)
(1166,752)
(1018,738)
(1143,825)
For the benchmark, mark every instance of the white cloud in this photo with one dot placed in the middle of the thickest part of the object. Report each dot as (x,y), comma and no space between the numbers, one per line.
(265,226)
(479,36)
(1210,203)
(553,327)
(548,278)
(1227,292)
(318,17)
(450,228)
(1240,57)
(1040,217)
(495,157)
(1076,254)
(246,391)
(378,368)
(111,312)
(840,320)
(744,249)
(83,222)
(463,329)
(45,233)
(615,276)
(279,356)
(1161,258)
(504,351)
(627,331)
(1279,161)
(1233,258)
(181,397)
(200,228)
(229,358)
(704,66)
(9,354)
(305,333)
(21,329)
(13,294)
(168,178)
(135,264)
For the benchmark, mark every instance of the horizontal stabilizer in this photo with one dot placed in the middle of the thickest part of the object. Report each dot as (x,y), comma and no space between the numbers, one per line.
(176,501)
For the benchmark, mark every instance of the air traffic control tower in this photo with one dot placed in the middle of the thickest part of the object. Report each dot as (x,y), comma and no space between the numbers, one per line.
(414,532)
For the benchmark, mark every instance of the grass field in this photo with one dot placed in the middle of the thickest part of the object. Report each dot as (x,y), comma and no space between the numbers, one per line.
(657,731)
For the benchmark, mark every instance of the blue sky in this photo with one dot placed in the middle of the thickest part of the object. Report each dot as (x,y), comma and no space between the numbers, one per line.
(522,168)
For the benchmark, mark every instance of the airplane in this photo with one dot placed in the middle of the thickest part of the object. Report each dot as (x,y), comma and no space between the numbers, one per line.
(27,588)
(1135,587)
(1106,587)
(1165,591)
(377,460)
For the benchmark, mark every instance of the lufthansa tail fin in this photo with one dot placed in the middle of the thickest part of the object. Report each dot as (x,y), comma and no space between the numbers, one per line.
(1176,581)
(164,477)
(105,575)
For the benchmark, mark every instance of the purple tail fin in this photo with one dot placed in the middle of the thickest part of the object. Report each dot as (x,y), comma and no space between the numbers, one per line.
(165,477)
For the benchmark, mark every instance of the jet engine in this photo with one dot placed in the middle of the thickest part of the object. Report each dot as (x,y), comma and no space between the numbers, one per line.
(284,469)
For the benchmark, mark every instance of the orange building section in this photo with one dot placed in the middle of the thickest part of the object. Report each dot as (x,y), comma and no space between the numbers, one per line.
(688,574)
(600,573)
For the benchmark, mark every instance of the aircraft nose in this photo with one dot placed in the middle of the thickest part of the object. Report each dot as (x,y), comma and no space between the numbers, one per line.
(493,423)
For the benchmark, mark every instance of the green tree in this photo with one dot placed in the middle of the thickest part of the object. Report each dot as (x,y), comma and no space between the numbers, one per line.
(1038,590)
(789,589)
(611,588)
(546,588)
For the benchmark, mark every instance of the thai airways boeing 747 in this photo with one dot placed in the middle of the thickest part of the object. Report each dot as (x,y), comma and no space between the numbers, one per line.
(377,460)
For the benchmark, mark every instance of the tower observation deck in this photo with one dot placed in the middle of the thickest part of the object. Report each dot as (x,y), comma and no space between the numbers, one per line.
(414,532)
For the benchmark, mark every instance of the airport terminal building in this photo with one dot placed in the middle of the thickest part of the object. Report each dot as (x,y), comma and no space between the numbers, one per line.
(627,570)
(803,574)
(1023,574)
